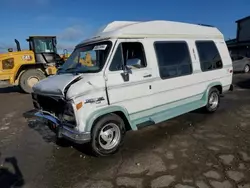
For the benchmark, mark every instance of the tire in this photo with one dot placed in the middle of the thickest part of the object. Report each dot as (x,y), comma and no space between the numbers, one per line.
(25,81)
(213,104)
(99,146)
(246,69)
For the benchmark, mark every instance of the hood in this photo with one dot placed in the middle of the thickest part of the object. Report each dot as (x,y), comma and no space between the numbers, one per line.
(4,56)
(55,85)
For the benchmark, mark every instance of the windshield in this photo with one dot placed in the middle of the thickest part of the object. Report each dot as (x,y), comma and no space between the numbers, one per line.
(44,45)
(90,58)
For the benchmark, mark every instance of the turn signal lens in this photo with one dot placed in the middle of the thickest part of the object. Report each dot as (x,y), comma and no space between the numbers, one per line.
(79,105)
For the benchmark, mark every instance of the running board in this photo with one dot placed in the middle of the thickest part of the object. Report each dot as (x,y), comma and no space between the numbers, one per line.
(145,124)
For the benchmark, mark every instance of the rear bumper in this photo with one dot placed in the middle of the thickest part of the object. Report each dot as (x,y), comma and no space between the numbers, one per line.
(61,130)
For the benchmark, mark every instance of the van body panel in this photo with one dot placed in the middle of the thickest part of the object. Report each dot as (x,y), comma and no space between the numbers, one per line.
(133,93)
(156,114)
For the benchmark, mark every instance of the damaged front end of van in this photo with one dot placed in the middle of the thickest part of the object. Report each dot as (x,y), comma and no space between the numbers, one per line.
(66,99)
(52,107)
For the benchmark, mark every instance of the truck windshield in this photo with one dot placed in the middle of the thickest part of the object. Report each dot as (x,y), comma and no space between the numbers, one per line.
(44,45)
(89,58)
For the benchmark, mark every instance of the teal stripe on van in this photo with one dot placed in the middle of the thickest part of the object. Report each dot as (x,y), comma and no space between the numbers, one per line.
(166,106)
(167,111)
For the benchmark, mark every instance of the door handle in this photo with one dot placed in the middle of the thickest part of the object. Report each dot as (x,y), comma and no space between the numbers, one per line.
(147,75)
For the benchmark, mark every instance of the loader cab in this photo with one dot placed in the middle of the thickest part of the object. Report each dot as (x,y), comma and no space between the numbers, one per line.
(44,48)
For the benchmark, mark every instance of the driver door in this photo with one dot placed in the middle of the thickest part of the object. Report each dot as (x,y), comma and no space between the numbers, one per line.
(132,94)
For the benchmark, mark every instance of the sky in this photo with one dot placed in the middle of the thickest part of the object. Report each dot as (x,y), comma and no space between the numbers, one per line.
(74,20)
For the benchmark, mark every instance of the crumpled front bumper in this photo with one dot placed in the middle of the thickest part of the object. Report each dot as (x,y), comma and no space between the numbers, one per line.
(61,129)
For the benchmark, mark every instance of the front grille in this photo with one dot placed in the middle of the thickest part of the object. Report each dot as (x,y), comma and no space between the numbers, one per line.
(51,104)
(56,106)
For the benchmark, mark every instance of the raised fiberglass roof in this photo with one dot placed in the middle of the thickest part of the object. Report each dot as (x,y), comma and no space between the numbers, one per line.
(157,28)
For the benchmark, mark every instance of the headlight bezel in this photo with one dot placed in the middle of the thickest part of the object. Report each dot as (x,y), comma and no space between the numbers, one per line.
(68,114)
(8,64)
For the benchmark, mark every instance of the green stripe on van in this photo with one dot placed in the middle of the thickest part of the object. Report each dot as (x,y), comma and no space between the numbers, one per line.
(169,113)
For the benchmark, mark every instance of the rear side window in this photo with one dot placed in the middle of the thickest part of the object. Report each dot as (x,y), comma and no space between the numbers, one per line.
(173,59)
(236,57)
(209,55)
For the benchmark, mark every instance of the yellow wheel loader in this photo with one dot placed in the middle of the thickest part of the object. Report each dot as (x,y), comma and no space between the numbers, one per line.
(65,55)
(27,67)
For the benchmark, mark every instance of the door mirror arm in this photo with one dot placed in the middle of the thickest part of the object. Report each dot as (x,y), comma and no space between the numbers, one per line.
(125,73)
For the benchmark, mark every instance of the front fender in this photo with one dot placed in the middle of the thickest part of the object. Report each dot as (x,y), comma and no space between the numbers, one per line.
(106,110)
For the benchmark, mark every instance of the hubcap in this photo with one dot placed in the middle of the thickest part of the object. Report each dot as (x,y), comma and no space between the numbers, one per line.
(109,136)
(32,81)
(246,68)
(213,100)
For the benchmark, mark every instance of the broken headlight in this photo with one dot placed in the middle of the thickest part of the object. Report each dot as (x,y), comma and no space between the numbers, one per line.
(68,114)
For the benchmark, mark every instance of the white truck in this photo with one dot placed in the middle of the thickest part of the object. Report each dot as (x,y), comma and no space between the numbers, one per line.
(143,73)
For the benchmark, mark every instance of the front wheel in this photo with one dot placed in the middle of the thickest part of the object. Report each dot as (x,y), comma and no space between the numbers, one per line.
(213,101)
(29,78)
(107,135)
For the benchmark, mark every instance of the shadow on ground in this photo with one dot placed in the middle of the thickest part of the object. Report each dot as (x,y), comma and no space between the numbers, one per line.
(141,140)
(10,89)
(10,179)
(49,136)
(244,84)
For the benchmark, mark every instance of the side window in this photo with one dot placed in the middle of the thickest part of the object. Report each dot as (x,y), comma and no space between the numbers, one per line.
(116,63)
(127,51)
(173,59)
(239,57)
(209,55)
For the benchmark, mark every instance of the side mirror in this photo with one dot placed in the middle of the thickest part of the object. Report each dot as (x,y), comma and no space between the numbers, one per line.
(65,52)
(133,63)
(127,68)
(54,41)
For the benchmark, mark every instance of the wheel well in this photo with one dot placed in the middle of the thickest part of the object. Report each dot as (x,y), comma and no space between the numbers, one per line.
(124,118)
(26,67)
(219,87)
(120,114)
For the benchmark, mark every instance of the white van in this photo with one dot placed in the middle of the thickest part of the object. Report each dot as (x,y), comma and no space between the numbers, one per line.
(132,75)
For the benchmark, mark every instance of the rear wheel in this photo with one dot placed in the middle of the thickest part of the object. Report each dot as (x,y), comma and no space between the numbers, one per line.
(213,101)
(29,78)
(246,68)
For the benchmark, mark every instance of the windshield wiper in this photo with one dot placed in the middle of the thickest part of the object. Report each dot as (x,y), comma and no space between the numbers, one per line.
(61,70)
(71,68)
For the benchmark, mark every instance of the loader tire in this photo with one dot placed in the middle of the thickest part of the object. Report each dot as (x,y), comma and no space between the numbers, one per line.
(29,78)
